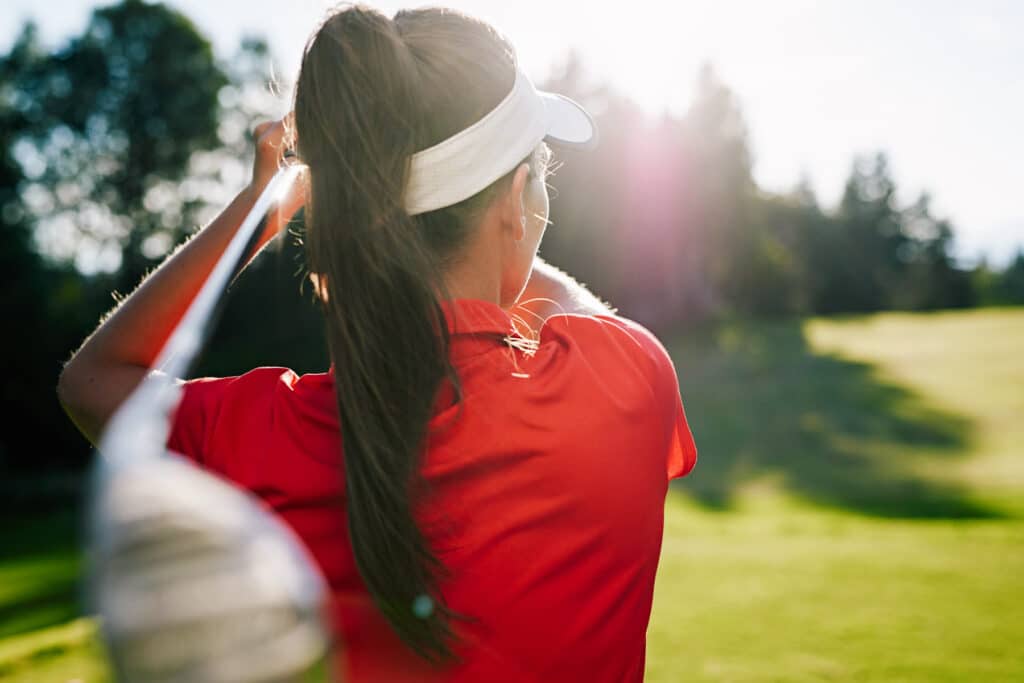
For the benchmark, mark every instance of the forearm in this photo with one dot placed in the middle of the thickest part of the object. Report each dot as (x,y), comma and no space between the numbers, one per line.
(116,357)
(118,354)
(551,291)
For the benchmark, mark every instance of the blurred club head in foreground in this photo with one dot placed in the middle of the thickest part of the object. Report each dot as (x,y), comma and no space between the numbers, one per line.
(195,581)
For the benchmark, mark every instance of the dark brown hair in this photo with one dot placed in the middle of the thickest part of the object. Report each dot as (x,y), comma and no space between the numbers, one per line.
(372,91)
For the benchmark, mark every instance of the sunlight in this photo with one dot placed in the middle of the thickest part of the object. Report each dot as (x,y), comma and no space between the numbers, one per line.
(652,51)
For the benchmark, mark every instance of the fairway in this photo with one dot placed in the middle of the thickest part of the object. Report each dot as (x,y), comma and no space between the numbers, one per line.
(857,512)
(769,594)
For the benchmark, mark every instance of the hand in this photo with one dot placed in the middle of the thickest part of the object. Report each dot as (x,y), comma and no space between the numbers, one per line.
(270,138)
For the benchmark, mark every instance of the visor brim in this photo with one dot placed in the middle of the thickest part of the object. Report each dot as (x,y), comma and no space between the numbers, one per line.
(568,123)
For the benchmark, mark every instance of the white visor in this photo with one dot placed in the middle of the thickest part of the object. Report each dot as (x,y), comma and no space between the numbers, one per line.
(457,168)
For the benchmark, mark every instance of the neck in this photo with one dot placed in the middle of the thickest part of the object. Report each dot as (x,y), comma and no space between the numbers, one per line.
(476,273)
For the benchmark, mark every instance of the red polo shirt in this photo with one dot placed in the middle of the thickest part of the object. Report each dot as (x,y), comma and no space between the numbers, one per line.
(552,487)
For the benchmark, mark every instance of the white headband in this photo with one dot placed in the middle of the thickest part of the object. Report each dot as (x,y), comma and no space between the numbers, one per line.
(467,162)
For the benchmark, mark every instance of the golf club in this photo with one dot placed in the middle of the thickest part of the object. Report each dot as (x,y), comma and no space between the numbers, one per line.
(193,580)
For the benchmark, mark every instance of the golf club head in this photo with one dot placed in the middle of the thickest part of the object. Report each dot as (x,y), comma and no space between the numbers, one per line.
(195,581)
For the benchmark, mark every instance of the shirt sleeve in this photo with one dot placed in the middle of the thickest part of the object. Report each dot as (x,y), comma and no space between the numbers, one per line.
(196,416)
(682,451)
(681,455)
(220,419)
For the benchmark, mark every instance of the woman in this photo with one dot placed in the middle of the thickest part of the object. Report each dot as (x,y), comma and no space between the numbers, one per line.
(481,481)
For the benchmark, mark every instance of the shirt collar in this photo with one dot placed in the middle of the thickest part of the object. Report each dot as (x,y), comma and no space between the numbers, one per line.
(474,326)
(476,316)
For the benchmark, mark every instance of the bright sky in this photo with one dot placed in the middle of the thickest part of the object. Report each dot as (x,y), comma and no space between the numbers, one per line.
(939,84)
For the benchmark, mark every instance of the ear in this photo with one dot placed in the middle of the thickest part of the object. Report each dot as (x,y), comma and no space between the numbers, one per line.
(513,206)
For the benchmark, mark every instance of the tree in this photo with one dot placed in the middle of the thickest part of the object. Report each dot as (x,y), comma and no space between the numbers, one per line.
(587,216)
(116,117)
(729,245)
(1009,284)
(23,296)
(931,279)
(112,148)
(47,306)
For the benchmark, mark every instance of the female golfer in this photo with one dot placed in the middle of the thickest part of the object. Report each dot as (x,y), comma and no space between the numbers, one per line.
(481,473)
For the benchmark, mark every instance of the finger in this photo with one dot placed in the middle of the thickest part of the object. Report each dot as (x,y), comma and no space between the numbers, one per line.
(291,137)
(288,121)
(272,135)
(270,145)
(261,128)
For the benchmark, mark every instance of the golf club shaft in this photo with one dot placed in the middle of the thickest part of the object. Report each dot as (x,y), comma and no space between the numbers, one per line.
(141,424)
(187,338)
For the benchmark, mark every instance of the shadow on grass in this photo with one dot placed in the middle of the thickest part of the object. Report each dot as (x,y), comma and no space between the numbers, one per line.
(41,607)
(40,567)
(761,403)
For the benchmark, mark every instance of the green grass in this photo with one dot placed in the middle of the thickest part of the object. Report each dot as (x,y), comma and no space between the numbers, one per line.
(772,593)
(42,637)
(68,652)
(857,513)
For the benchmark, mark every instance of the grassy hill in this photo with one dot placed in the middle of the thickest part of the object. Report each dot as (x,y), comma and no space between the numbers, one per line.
(857,512)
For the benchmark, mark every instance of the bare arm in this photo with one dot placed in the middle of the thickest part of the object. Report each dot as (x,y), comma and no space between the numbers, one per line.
(115,358)
(550,291)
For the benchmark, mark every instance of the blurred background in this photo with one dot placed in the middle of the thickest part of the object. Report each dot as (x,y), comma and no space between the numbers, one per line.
(814,205)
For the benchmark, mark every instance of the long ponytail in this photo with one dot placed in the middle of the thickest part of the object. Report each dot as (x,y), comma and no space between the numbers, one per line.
(370,93)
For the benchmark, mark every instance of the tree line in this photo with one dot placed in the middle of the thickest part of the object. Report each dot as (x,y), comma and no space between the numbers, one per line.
(675,228)
(117,144)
